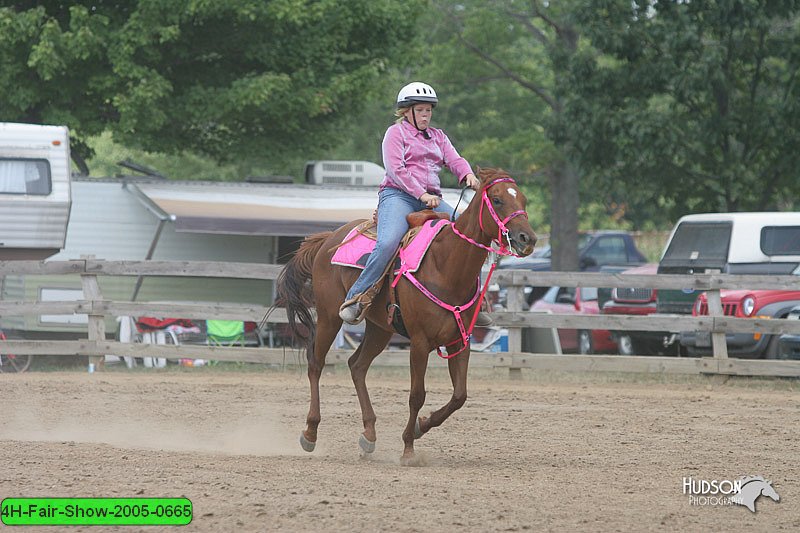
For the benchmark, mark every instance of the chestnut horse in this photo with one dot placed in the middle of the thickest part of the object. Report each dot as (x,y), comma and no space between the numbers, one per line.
(450,271)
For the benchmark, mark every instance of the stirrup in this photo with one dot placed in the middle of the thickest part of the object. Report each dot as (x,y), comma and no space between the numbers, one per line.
(364,299)
(356,300)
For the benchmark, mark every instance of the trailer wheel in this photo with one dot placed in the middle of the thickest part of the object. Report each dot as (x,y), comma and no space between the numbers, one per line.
(10,363)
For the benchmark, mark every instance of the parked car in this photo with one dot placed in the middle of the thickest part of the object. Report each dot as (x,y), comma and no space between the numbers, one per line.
(641,302)
(743,304)
(604,294)
(789,343)
(576,301)
(595,248)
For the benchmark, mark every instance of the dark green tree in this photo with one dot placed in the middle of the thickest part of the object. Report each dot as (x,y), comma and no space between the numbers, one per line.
(528,45)
(227,79)
(688,106)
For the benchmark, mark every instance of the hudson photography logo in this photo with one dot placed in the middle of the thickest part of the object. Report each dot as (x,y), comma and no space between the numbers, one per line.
(743,491)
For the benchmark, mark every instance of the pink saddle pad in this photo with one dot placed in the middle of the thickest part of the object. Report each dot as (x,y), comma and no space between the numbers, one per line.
(355,251)
(358,247)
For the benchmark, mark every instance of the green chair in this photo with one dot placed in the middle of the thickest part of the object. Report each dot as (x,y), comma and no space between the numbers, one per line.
(225,332)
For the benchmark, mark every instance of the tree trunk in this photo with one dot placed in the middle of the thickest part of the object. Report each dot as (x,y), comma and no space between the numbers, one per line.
(564,216)
(80,162)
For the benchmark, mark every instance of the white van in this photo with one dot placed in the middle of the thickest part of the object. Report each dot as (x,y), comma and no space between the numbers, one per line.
(34,190)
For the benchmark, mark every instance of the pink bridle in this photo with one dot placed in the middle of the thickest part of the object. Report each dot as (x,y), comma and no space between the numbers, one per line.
(502,231)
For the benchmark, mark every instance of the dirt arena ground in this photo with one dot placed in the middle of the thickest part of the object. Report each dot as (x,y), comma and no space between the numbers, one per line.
(547,452)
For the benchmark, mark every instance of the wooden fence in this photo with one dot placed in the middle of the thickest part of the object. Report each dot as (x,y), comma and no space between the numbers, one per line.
(97,308)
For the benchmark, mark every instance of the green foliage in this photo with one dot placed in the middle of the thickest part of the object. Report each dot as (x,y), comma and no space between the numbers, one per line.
(226,79)
(688,107)
(184,166)
(493,120)
(663,107)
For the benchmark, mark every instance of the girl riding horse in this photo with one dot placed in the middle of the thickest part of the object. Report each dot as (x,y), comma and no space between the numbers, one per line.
(413,155)
(449,271)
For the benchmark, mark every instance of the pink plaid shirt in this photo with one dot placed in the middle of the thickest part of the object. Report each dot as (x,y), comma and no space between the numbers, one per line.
(413,162)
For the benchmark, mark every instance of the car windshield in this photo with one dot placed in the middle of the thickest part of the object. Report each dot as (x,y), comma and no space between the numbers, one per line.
(589,294)
(545,251)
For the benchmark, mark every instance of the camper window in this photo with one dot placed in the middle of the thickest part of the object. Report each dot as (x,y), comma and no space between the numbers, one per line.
(25,176)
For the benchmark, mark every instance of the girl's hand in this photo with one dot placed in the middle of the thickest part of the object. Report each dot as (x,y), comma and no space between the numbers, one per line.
(430,200)
(472,182)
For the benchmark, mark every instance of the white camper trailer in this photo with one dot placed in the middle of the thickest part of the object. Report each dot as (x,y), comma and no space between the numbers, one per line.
(34,190)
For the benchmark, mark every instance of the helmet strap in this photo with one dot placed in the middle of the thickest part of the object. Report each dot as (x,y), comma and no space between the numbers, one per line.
(414,117)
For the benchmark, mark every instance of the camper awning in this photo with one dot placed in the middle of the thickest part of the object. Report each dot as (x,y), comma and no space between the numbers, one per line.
(260,208)
(256,209)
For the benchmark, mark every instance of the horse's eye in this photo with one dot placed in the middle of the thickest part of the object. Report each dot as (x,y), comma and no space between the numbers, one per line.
(497,201)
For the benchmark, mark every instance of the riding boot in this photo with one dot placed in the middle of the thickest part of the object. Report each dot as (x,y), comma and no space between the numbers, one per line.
(355,309)
(352,311)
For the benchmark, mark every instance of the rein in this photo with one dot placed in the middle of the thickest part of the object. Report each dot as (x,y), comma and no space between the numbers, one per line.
(502,231)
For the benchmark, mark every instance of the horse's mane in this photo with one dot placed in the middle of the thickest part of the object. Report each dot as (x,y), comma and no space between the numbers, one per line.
(486,174)
(748,479)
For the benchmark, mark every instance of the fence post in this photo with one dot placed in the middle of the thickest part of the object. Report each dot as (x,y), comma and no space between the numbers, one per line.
(514,298)
(97,323)
(718,342)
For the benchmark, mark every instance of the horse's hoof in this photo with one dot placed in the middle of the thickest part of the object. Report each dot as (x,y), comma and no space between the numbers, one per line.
(366,446)
(307,444)
(414,459)
(417,430)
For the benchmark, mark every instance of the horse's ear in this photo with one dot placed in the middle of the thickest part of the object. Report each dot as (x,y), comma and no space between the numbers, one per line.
(478,171)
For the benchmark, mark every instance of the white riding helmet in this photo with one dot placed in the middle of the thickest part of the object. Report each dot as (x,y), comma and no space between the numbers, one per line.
(416,93)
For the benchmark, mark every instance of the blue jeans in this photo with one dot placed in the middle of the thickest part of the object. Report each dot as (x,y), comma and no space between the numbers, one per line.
(393,206)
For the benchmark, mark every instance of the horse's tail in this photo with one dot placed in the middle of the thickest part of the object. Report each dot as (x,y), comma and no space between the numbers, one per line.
(294,291)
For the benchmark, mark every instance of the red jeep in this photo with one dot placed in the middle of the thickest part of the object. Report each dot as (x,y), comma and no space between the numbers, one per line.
(743,304)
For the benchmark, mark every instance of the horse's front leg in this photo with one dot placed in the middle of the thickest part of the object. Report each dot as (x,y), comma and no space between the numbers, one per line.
(416,398)
(457,366)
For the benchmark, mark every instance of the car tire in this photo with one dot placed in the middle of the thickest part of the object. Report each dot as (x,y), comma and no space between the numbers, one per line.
(772,350)
(625,345)
(585,342)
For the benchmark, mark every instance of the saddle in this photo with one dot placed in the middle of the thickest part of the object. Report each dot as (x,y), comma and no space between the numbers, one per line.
(358,244)
(418,218)
(360,241)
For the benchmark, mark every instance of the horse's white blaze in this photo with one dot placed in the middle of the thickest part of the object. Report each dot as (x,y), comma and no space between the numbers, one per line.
(512,192)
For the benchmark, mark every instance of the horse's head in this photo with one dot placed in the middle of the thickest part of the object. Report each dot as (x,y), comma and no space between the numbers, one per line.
(502,213)
(768,491)
(751,488)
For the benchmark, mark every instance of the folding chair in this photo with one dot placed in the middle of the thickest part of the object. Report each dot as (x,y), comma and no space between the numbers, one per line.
(225,332)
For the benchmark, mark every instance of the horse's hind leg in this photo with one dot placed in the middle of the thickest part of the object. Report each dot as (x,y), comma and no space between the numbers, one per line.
(375,340)
(327,328)
(457,366)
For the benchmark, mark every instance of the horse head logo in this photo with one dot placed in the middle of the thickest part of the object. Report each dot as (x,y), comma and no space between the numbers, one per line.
(752,488)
